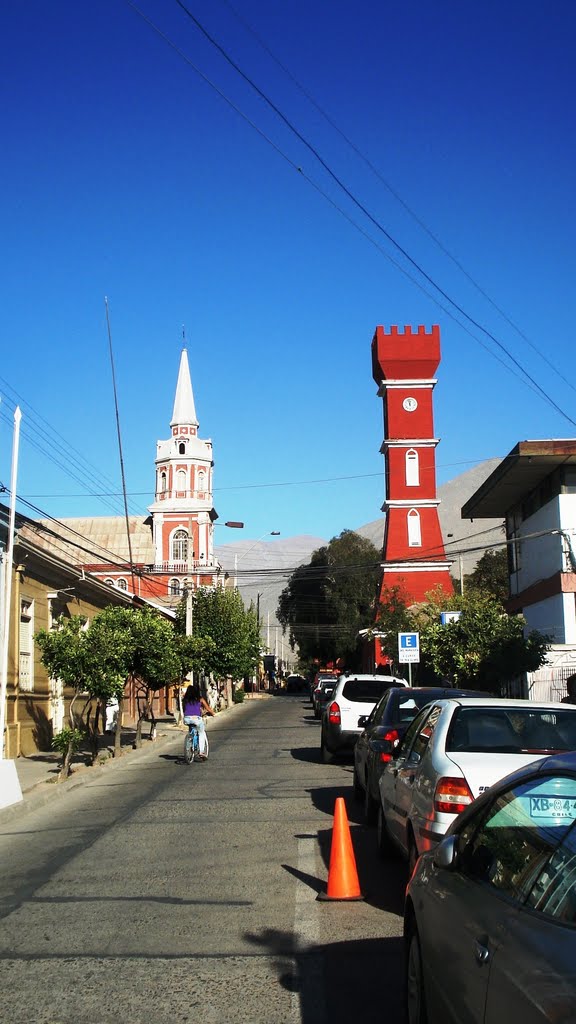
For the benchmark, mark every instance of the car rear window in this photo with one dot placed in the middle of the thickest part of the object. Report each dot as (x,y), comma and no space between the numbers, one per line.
(364,690)
(512,730)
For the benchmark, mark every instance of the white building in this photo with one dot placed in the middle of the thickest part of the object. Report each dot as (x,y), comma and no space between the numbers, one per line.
(534,490)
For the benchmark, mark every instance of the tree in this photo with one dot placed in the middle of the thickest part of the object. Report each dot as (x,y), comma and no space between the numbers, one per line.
(221,618)
(88,664)
(484,649)
(328,601)
(392,617)
(491,575)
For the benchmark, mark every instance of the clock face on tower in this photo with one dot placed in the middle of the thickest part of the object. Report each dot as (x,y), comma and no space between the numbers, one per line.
(409,404)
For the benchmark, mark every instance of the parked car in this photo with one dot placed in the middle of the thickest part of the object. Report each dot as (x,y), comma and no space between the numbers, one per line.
(322,690)
(453,751)
(296,683)
(354,695)
(382,732)
(490,913)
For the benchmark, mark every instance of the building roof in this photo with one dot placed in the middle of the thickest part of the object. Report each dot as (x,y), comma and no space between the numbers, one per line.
(93,540)
(519,473)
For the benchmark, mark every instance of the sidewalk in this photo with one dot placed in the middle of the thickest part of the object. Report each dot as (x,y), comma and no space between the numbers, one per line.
(44,766)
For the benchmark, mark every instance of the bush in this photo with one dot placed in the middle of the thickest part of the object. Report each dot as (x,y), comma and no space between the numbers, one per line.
(67,740)
(239,696)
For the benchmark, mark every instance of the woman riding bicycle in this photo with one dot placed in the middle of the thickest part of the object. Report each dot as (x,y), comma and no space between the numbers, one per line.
(193,707)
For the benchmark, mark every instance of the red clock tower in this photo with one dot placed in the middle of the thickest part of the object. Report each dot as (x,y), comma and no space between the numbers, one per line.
(403,366)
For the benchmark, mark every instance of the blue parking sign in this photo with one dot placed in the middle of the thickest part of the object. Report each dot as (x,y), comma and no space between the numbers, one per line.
(408,647)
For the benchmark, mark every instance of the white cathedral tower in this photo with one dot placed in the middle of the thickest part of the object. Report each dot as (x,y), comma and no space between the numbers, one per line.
(182,512)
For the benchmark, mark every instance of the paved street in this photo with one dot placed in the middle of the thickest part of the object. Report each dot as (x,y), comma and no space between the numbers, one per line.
(160,892)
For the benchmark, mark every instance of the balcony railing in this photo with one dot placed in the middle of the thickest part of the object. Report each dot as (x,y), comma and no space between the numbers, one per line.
(182,568)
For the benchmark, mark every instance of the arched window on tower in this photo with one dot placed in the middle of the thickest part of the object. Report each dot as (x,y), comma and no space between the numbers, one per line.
(201,481)
(180,546)
(181,480)
(174,588)
(121,584)
(414,531)
(182,448)
(412,468)
(162,482)
(109,583)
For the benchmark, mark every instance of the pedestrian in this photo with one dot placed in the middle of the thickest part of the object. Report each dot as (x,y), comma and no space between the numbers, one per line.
(193,707)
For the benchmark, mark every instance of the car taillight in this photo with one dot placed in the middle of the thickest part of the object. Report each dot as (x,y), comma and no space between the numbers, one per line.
(391,736)
(452,795)
(334,713)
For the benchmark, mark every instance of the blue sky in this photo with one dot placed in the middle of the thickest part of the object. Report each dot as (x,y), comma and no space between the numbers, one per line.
(125,174)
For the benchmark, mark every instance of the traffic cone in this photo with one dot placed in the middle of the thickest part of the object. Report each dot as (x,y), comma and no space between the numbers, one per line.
(343,881)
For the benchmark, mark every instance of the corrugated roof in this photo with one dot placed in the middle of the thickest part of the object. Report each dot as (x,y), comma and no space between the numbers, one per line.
(93,540)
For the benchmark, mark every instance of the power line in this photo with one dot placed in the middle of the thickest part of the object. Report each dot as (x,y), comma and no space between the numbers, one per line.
(373,219)
(394,192)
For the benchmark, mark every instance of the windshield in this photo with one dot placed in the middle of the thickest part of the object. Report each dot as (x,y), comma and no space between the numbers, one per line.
(366,690)
(512,730)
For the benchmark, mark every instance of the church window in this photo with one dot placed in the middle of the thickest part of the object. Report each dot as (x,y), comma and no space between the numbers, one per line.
(162,482)
(121,584)
(109,583)
(181,480)
(201,480)
(182,447)
(174,588)
(412,468)
(414,530)
(180,546)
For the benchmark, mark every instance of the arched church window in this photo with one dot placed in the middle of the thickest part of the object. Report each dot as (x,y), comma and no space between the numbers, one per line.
(414,530)
(180,546)
(412,468)
(174,588)
(201,480)
(181,480)
(182,448)
(109,583)
(121,584)
(162,482)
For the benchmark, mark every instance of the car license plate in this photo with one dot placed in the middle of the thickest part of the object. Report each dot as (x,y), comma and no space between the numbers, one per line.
(552,807)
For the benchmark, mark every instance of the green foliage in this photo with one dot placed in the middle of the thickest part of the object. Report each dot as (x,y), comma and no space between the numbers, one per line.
(239,696)
(67,741)
(490,575)
(226,633)
(393,617)
(328,601)
(484,649)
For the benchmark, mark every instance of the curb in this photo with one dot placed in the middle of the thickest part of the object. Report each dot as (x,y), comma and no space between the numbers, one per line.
(44,792)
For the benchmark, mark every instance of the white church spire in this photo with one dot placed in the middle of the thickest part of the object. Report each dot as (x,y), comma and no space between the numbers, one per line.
(184,411)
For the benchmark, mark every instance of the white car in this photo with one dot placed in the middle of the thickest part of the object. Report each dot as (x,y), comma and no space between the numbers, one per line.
(354,695)
(454,750)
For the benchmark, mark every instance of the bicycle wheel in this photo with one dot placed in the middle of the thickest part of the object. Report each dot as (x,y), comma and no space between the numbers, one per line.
(189,747)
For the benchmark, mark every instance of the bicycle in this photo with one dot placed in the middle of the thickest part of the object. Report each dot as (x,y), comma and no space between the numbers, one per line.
(192,745)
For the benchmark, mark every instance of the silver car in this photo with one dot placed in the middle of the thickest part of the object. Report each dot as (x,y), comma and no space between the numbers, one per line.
(453,751)
(490,913)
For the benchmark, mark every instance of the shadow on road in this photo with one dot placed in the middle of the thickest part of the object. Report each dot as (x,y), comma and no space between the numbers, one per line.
(339,982)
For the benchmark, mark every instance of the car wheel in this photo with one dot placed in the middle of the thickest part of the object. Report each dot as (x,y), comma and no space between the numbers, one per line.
(327,757)
(414,982)
(385,847)
(370,806)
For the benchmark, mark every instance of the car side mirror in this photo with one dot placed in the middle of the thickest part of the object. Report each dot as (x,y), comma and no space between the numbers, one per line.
(362,721)
(446,851)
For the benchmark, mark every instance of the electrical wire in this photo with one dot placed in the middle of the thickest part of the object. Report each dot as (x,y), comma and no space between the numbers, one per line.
(394,192)
(371,217)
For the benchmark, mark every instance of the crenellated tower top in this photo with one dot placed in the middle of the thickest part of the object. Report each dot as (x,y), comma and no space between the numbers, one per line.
(405,354)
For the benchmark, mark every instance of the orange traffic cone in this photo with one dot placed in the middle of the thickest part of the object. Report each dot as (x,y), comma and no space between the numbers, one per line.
(343,881)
